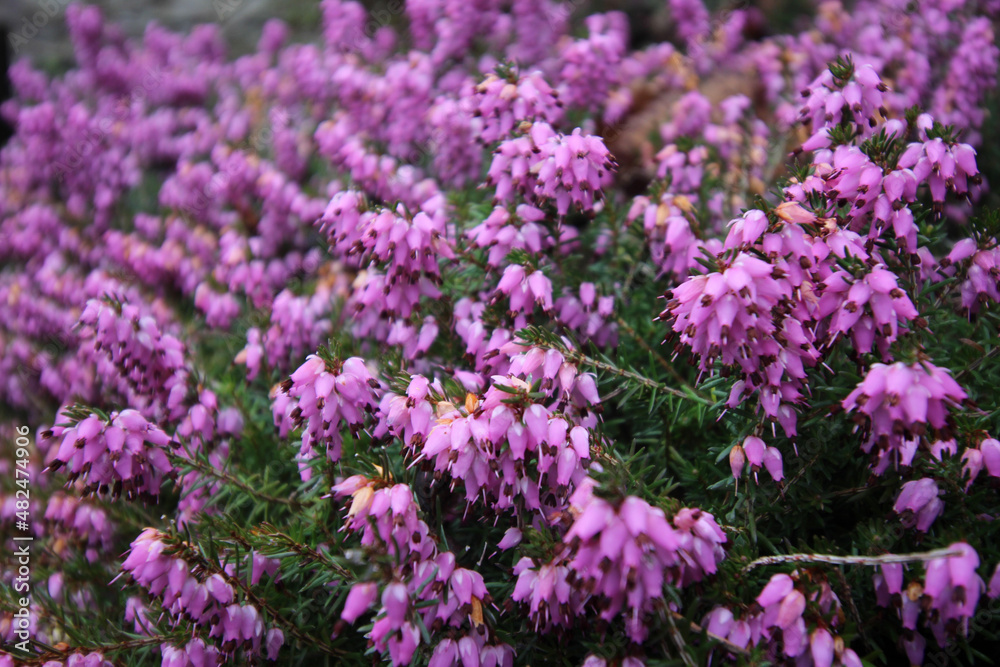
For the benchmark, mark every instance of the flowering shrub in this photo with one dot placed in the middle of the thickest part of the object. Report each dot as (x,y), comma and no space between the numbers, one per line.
(468,340)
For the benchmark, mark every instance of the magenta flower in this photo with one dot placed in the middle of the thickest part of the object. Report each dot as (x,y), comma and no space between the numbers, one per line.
(994,587)
(919,504)
(324,398)
(149,361)
(901,401)
(359,600)
(990,449)
(621,554)
(570,170)
(733,315)
(125,454)
(524,290)
(504,102)
(205,599)
(784,601)
(870,307)
(943,166)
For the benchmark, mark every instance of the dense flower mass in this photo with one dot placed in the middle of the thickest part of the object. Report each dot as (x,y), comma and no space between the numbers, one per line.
(351,351)
(197,594)
(123,454)
(901,402)
(324,398)
(616,557)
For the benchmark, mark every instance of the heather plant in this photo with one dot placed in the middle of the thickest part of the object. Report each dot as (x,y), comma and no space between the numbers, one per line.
(488,334)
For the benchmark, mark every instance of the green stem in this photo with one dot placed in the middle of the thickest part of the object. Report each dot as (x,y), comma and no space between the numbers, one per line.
(580,358)
(289,627)
(210,470)
(306,552)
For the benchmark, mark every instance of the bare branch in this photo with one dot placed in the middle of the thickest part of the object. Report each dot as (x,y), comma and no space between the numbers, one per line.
(852,560)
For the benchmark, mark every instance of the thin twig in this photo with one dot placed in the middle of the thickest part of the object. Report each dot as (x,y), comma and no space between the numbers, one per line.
(679,642)
(978,362)
(267,530)
(656,355)
(641,379)
(853,608)
(802,472)
(229,479)
(731,647)
(852,560)
(580,358)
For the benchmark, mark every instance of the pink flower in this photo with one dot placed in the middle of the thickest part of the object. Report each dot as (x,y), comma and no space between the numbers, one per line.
(737,459)
(991,456)
(919,503)
(821,645)
(324,398)
(972,464)
(359,600)
(543,165)
(994,587)
(952,584)
(902,400)
(126,454)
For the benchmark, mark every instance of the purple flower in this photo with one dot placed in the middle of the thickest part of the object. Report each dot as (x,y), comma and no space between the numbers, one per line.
(570,170)
(126,454)
(919,503)
(324,398)
(359,600)
(902,401)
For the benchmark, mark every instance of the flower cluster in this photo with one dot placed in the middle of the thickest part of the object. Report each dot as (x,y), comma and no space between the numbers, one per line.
(503,102)
(403,249)
(426,582)
(621,554)
(845,94)
(901,401)
(525,290)
(543,165)
(149,361)
(489,444)
(81,521)
(95,659)
(205,431)
(589,315)
(122,453)
(980,270)
(758,454)
(947,597)
(673,242)
(502,232)
(205,598)
(738,315)
(919,503)
(781,618)
(468,203)
(324,397)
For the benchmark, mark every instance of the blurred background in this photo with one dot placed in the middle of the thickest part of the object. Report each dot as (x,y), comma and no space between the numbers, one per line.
(36,29)
(241,20)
